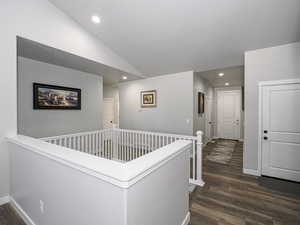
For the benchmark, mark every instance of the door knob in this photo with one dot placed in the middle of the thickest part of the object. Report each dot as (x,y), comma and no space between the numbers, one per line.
(265,138)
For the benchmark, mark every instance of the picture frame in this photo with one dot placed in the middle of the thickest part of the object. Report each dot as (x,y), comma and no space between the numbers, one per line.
(52,97)
(201,102)
(148,98)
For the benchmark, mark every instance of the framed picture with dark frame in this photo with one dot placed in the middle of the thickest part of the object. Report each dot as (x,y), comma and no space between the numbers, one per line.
(148,98)
(201,102)
(47,96)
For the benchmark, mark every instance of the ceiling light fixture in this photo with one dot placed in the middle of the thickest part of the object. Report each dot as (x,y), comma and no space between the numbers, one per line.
(96,19)
(226,84)
(221,74)
(124,78)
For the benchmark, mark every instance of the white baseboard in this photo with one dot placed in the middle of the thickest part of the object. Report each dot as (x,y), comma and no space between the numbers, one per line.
(4,200)
(192,187)
(21,212)
(251,172)
(186,220)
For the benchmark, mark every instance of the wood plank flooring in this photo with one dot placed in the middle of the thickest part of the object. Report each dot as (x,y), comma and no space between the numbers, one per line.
(230,197)
(8,216)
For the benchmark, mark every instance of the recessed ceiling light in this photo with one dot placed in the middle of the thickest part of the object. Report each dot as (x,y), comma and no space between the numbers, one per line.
(221,74)
(96,19)
(226,84)
(124,78)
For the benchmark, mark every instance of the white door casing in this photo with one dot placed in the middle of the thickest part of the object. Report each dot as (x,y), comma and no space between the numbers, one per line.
(280,130)
(228,114)
(108,112)
(208,118)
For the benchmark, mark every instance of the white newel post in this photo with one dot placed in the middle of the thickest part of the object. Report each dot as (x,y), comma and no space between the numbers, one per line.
(199,179)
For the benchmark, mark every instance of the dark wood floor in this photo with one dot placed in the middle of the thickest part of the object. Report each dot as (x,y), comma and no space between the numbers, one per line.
(230,197)
(8,216)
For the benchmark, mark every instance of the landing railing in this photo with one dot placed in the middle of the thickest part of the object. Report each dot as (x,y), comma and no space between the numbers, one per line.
(126,145)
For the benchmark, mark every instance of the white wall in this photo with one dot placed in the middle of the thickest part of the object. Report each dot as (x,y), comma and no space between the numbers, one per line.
(162,196)
(280,62)
(201,85)
(40,21)
(70,196)
(174,111)
(77,188)
(46,123)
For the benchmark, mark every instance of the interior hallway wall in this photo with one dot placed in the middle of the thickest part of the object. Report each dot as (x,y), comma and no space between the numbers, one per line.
(175,100)
(46,123)
(275,63)
(200,120)
(40,21)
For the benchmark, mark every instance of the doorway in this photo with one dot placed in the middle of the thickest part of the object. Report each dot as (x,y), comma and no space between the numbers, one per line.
(108,113)
(279,136)
(228,113)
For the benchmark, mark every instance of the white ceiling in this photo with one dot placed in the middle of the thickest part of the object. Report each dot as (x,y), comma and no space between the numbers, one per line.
(36,51)
(166,36)
(232,75)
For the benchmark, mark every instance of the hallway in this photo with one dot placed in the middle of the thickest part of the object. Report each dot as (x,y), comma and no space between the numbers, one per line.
(230,197)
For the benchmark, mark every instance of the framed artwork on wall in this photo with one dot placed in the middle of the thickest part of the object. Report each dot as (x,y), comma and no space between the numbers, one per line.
(47,96)
(201,102)
(148,99)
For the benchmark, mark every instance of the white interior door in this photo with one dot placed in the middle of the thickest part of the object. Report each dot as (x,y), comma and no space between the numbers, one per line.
(108,113)
(281,131)
(228,114)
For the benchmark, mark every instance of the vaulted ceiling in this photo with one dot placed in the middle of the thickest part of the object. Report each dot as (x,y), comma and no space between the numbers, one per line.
(166,36)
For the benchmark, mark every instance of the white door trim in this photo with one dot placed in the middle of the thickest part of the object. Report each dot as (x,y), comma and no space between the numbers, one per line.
(260,88)
(235,88)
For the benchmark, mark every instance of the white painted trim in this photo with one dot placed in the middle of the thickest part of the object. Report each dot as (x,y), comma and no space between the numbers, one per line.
(228,88)
(4,200)
(259,157)
(192,187)
(21,212)
(241,139)
(260,96)
(187,219)
(279,82)
(122,175)
(251,172)
(200,183)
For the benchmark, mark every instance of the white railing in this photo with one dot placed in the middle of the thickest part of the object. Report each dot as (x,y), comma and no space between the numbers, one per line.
(126,145)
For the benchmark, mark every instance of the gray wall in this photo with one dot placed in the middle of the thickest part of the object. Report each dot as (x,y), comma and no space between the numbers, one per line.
(49,26)
(174,111)
(43,123)
(201,85)
(281,62)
